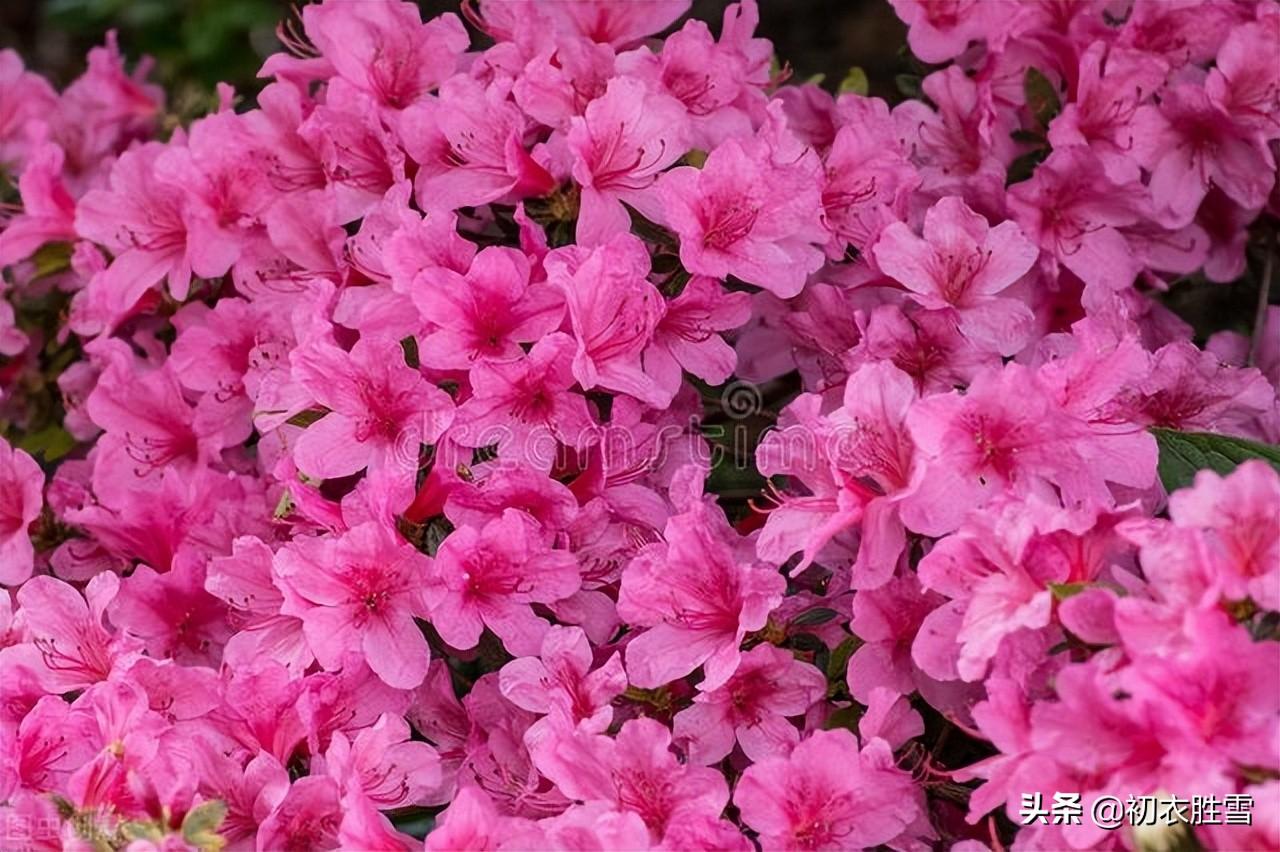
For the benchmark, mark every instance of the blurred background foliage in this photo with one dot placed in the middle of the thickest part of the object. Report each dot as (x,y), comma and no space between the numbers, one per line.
(198,43)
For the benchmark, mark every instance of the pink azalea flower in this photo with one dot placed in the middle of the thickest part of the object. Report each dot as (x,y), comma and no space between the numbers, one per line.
(636,771)
(614,312)
(961,264)
(73,649)
(359,592)
(383,765)
(171,613)
(244,581)
(486,314)
(560,680)
(250,792)
(752,211)
(526,406)
(698,596)
(874,456)
(619,146)
(380,410)
(887,619)
(489,577)
(384,49)
(1189,144)
(1005,433)
(45,748)
(26,96)
(869,180)
(939,30)
(48,210)
(1073,210)
(472,821)
(21,487)
(687,335)
(608,23)
(1239,512)
(306,818)
(1112,83)
(468,143)
(751,707)
(711,79)
(1248,91)
(828,794)
(148,423)
(147,224)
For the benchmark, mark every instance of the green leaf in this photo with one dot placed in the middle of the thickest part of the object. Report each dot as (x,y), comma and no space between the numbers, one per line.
(817,615)
(410,347)
(839,662)
(50,443)
(910,85)
(845,717)
(1183,454)
(855,82)
(51,258)
(1062,591)
(1042,96)
(306,418)
(200,826)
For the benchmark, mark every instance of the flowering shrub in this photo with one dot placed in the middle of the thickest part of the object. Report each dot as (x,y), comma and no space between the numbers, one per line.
(385,459)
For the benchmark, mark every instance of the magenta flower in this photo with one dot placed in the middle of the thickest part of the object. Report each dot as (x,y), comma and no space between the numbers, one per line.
(828,794)
(559,680)
(359,592)
(754,211)
(21,499)
(489,577)
(635,771)
(151,229)
(485,314)
(698,596)
(385,50)
(526,406)
(614,311)
(619,146)
(1190,144)
(688,335)
(70,644)
(961,265)
(380,410)
(48,210)
(751,707)
(468,143)
(245,582)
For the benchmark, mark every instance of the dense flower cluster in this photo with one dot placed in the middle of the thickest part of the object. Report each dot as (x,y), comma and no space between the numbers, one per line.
(377,488)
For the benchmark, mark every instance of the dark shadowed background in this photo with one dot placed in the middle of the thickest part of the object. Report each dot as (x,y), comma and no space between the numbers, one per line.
(198,43)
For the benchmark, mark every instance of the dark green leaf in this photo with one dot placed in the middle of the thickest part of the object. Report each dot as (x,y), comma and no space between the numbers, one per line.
(909,85)
(1042,96)
(817,615)
(845,717)
(839,662)
(1183,454)
(306,418)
